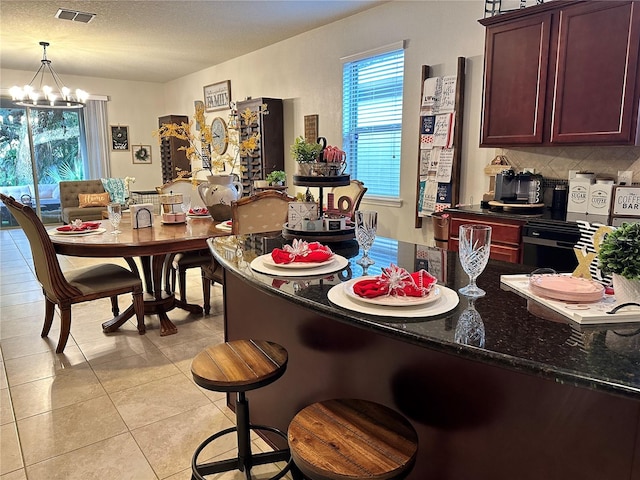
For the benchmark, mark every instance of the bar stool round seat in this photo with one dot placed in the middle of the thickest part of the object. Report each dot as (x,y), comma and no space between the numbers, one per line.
(239,366)
(349,439)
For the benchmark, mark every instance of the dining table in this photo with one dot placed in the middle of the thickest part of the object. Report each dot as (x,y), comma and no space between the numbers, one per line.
(153,246)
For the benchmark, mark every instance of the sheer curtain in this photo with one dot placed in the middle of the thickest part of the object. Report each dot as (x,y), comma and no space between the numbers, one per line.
(97,140)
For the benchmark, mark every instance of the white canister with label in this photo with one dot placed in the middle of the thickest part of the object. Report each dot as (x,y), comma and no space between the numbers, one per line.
(600,197)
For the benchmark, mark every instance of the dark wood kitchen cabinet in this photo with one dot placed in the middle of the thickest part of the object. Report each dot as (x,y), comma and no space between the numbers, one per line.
(171,157)
(506,235)
(564,72)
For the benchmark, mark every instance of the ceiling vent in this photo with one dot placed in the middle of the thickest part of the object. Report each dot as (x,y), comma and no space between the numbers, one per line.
(74,15)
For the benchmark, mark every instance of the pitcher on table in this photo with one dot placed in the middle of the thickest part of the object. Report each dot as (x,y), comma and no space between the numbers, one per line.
(218,193)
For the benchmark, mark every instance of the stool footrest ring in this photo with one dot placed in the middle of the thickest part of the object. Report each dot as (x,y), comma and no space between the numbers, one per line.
(198,470)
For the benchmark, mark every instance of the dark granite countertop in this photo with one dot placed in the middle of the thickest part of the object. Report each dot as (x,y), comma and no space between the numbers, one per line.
(543,215)
(505,333)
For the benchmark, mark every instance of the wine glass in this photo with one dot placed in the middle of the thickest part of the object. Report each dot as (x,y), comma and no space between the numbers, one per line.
(366,225)
(470,327)
(115,215)
(473,248)
(185,206)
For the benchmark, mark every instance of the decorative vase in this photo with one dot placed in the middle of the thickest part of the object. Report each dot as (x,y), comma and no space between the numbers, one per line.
(626,290)
(218,193)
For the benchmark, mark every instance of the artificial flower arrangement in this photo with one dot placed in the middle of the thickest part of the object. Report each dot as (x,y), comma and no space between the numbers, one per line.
(199,151)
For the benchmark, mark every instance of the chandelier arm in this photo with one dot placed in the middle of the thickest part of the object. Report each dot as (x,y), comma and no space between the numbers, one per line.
(56,78)
(40,70)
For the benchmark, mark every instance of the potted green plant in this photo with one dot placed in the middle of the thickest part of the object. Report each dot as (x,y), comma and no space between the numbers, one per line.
(620,255)
(276,178)
(306,154)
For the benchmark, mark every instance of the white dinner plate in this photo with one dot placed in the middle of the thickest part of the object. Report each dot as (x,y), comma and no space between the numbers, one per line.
(391,300)
(338,264)
(206,214)
(226,226)
(268,260)
(447,301)
(78,232)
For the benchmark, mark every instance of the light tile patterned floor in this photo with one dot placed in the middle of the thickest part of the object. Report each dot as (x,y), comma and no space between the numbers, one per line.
(113,406)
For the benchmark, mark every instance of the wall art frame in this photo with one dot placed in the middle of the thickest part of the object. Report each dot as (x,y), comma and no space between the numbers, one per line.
(141,154)
(217,96)
(119,138)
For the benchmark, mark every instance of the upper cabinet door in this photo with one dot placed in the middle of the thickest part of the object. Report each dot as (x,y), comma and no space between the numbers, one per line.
(597,74)
(516,69)
(562,73)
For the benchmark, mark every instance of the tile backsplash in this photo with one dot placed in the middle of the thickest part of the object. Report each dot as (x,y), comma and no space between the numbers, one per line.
(555,162)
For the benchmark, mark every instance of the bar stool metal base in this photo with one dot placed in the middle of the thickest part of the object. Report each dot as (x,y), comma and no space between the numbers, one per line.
(245,459)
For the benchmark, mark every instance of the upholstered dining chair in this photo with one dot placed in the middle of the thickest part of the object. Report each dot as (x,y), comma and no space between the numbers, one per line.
(353,193)
(178,264)
(261,212)
(76,286)
(265,211)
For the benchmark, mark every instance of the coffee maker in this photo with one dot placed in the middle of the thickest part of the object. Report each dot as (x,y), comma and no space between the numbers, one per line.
(518,188)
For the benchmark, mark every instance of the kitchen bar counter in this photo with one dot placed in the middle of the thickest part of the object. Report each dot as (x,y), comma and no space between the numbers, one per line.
(540,399)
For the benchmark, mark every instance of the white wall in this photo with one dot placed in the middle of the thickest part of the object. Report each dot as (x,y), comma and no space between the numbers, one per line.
(305,71)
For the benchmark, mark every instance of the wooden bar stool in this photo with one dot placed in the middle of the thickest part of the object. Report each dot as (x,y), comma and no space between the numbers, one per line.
(351,439)
(239,366)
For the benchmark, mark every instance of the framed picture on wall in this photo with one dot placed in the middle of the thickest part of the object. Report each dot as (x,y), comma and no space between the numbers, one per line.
(119,137)
(141,153)
(217,96)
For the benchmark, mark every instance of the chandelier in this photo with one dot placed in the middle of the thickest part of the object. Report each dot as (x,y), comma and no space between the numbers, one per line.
(45,96)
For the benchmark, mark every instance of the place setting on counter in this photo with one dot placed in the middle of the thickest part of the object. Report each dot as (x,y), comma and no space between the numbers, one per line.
(300,259)
(395,293)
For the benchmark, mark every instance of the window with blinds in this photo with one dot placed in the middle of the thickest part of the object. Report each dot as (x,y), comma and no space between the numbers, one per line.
(385,252)
(372,120)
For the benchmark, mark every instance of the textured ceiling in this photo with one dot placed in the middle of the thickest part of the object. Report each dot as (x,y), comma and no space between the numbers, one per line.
(155,41)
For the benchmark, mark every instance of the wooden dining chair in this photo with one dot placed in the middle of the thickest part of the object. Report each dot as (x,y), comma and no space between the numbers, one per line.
(348,197)
(261,212)
(76,286)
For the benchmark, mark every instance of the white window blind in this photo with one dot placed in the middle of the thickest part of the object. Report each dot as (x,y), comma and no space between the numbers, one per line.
(372,119)
(385,252)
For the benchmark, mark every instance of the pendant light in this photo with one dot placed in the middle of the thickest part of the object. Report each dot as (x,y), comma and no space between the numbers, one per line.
(56,95)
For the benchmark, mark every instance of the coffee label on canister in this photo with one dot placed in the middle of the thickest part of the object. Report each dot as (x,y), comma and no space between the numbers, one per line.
(599,199)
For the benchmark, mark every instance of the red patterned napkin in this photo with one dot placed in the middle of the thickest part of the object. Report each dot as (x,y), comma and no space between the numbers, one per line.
(79,227)
(396,281)
(301,251)
(198,211)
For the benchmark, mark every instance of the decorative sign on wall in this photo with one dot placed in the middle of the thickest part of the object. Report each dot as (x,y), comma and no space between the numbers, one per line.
(311,128)
(437,123)
(141,153)
(119,138)
(217,96)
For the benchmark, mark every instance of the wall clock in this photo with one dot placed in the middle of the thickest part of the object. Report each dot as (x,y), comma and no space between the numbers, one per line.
(220,135)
